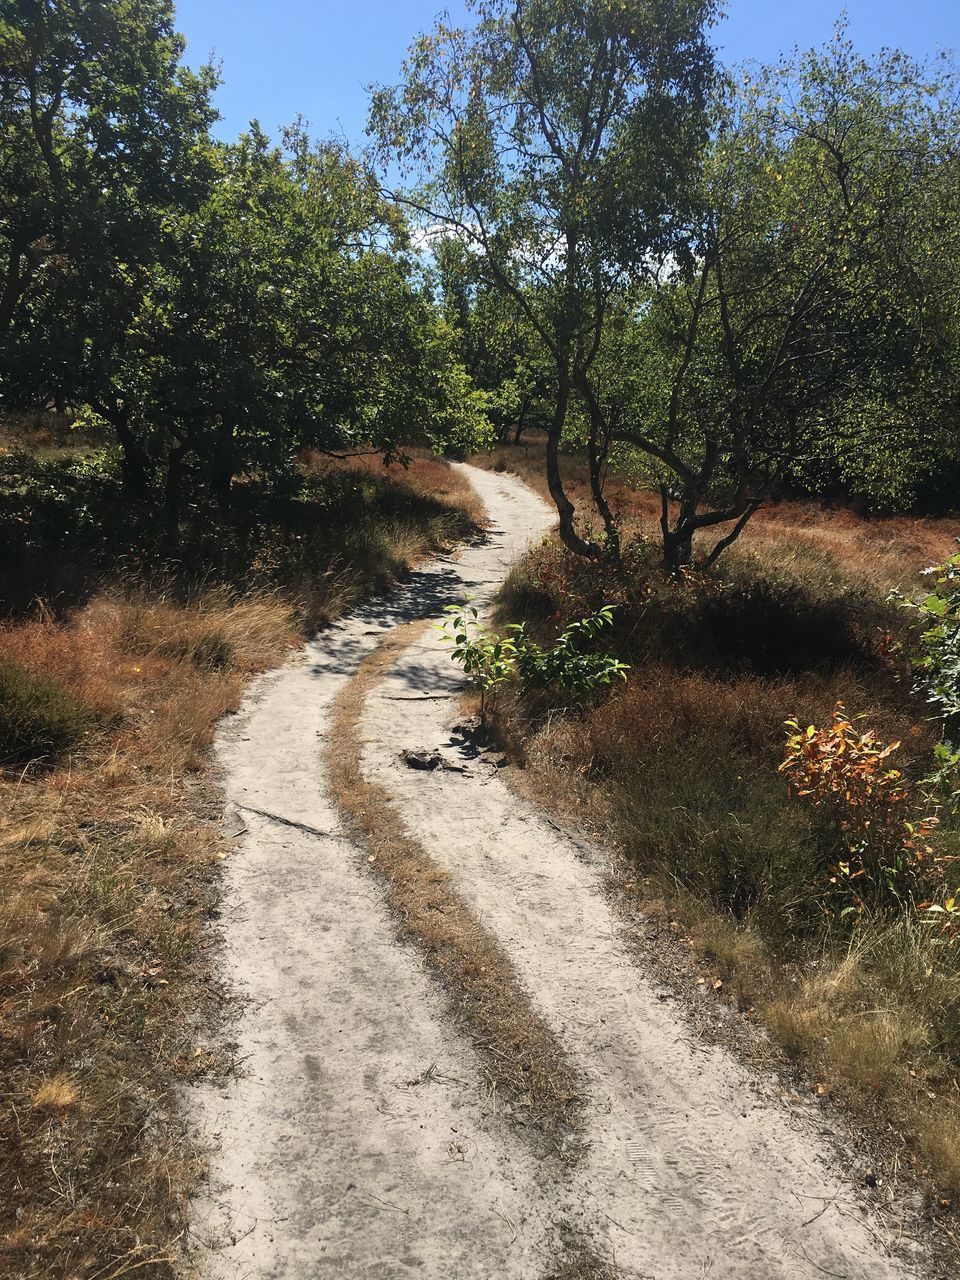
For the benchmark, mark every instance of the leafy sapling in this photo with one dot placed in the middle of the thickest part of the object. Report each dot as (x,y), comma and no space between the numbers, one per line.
(489,660)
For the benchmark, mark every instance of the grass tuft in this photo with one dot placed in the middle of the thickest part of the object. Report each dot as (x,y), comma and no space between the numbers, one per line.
(39,718)
(56,1095)
(522,1058)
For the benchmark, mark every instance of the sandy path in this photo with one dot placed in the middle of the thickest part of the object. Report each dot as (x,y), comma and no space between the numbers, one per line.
(332,1160)
(356,1139)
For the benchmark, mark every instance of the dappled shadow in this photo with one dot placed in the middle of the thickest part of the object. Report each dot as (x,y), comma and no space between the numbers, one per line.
(68,530)
(424,594)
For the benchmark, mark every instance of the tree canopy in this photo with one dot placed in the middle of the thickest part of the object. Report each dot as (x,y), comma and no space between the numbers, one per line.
(554,140)
(738,281)
(222,306)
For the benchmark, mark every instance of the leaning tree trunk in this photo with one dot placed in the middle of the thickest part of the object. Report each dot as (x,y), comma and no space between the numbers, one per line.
(134,463)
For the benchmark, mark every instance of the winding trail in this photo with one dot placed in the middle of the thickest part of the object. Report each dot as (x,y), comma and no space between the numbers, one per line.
(359,1138)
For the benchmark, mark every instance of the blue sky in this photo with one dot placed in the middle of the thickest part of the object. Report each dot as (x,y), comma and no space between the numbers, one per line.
(315,56)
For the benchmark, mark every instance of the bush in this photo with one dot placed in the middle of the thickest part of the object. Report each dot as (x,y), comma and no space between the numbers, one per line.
(938,662)
(490,661)
(775,626)
(882,840)
(39,719)
(750,619)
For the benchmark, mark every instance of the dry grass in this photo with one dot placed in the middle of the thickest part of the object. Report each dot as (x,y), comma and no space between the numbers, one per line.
(522,1059)
(423,474)
(803,537)
(108,878)
(678,768)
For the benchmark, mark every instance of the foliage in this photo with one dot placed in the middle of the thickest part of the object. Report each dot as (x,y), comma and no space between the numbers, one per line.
(553,142)
(499,347)
(938,663)
(39,718)
(886,849)
(101,129)
(222,306)
(491,660)
(806,328)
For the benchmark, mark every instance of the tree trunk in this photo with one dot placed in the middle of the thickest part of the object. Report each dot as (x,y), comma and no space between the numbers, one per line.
(13,286)
(134,463)
(565,508)
(521,422)
(173,500)
(221,461)
(677,550)
(678,539)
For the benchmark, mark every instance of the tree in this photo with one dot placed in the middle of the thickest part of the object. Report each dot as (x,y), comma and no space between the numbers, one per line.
(500,350)
(811,312)
(553,140)
(807,319)
(102,129)
(285,316)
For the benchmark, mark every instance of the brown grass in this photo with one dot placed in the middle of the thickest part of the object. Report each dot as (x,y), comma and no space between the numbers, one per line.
(45,432)
(522,1059)
(423,474)
(108,878)
(802,536)
(678,769)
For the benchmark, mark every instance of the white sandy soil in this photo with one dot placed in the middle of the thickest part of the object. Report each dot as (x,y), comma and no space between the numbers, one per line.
(358,1139)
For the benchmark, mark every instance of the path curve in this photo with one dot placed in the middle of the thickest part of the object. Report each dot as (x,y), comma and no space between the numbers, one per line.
(357,1140)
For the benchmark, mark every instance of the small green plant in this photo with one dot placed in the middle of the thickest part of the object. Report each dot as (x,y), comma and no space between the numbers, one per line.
(487,660)
(490,660)
(563,665)
(943,917)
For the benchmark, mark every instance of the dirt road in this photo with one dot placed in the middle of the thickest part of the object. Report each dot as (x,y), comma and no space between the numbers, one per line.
(360,1138)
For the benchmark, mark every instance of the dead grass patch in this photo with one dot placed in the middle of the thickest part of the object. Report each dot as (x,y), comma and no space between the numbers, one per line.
(108,879)
(522,1059)
(580,1261)
(796,536)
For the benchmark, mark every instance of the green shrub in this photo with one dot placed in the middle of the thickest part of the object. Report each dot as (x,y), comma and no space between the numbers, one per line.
(491,660)
(938,660)
(39,719)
